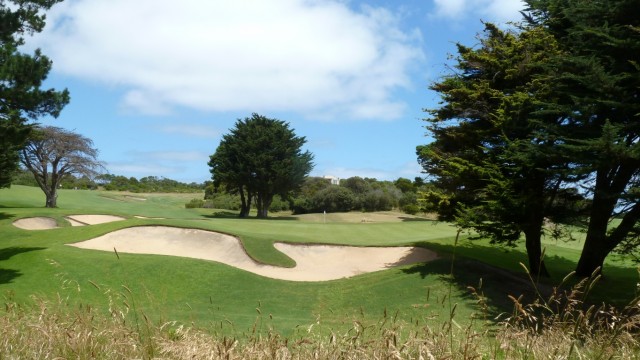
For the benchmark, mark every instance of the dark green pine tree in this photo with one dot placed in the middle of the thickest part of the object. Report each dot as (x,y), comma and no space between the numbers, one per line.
(497,170)
(21,75)
(597,96)
(258,159)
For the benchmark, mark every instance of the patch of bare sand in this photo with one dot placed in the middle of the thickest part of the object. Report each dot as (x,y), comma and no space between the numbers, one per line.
(313,262)
(82,220)
(36,223)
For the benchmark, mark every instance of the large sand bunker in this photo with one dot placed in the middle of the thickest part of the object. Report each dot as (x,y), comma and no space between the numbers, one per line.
(313,262)
(36,223)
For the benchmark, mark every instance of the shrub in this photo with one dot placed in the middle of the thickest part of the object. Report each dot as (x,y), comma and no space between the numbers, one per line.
(334,199)
(302,205)
(224,201)
(194,204)
(411,209)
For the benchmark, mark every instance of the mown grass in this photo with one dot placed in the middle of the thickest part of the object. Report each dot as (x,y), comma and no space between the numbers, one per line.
(224,300)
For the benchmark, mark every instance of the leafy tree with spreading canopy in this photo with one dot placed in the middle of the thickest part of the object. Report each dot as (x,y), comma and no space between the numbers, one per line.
(495,169)
(52,153)
(597,97)
(21,78)
(259,158)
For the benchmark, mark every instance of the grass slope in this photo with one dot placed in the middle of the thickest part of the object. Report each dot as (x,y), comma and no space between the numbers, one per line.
(220,297)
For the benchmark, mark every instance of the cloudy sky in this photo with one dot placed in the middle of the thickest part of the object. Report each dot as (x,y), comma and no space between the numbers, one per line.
(156,83)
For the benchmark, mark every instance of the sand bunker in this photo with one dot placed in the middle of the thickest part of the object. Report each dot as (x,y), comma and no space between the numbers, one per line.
(36,223)
(314,262)
(82,220)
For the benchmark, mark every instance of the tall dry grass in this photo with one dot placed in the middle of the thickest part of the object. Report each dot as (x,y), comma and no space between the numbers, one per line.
(560,326)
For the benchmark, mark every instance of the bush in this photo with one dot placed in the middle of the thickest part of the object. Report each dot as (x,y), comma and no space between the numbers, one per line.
(302,205)
(334,199)
(377,200)
(194,204)
(411,209)
(278,204)
(224,201)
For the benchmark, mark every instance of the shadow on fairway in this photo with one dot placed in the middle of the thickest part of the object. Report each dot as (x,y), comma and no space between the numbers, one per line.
(5,216)
(7,275)
(234,215)
(469,271)
(414,219)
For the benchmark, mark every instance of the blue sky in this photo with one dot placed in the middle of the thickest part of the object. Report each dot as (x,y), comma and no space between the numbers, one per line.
(156,83)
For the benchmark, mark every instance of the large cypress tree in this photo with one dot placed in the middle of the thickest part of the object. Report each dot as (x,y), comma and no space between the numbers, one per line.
(260,158)
(597,98)
(21,75)
(496,169)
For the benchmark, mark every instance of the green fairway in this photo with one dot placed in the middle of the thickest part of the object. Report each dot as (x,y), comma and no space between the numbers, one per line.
(218,296)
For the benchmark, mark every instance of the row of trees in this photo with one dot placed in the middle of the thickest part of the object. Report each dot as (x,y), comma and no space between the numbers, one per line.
(317,194)
(110,182)
(147,184)
(542,122)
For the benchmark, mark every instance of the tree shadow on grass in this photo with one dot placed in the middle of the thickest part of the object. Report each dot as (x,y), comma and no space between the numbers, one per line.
(500,279)
(471,277)
(5,216)
(7,275)
(234,215)
(415,219)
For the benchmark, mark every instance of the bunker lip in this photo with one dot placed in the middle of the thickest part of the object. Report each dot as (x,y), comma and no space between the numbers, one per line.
(313,262)
(82,220)
(47,223)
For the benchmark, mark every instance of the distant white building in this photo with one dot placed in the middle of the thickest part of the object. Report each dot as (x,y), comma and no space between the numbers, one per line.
(334,180)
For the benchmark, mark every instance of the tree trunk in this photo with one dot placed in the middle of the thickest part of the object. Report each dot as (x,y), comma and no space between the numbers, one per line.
(592,258)
(597,245)
(535,208)
(533,244)
(52,199)
(245,203)
(263,205)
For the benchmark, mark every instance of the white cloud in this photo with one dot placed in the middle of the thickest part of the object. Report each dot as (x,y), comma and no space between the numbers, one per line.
(505,10)
(138,170)
(489,10)
(196,131)
(171,156)
(172,164)
(220,55)
(407,170)
(450,8)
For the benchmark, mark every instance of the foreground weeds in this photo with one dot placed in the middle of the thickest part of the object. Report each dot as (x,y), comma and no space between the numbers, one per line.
(559,326)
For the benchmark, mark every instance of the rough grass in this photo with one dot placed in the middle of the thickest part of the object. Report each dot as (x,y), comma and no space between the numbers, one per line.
(557,327)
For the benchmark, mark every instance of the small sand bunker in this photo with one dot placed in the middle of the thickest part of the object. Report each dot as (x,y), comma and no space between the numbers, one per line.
(36,223)
(82,220)
(314,262)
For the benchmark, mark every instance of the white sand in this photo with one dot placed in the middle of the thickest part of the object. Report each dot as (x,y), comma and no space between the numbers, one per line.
(314,262)
(82,220)
(36,223)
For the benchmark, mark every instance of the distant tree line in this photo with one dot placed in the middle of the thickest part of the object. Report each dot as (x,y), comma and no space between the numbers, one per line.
(317,195)
(111,182)
(147,184)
